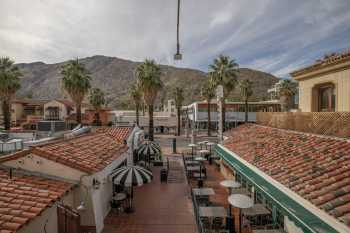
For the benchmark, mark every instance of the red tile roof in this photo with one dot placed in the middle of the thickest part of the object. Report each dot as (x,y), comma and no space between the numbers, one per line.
(118,133)
(328,60)
(24,197)
(89,153)
(315,167)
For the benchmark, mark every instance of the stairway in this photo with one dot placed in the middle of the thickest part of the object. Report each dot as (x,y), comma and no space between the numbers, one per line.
(176,173)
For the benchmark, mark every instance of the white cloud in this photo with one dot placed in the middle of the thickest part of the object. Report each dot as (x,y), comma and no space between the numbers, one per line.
(271,35)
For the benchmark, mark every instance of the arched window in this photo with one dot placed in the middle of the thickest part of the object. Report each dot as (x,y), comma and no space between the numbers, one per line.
(324,98)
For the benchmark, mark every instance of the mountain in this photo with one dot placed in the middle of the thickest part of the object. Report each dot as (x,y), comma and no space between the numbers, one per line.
(114,76)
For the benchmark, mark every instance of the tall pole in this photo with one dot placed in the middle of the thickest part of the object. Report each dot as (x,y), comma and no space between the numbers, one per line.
(178,27)
(220,96)
(178,55)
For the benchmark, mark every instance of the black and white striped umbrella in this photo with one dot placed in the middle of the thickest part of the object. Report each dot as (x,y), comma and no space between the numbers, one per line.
(148,149)
(131,176)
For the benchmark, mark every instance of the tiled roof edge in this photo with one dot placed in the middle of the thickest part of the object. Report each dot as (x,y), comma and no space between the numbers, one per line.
(15,155)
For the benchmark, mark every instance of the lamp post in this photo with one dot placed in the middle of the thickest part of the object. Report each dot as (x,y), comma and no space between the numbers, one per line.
(178,55)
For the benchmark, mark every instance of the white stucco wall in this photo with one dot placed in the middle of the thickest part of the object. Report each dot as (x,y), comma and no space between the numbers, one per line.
(48,216)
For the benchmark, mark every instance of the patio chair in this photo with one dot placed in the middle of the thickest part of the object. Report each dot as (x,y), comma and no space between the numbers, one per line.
(217,224)
(205,224)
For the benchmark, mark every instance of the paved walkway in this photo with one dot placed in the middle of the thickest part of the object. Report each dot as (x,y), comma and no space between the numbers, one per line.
(159,207)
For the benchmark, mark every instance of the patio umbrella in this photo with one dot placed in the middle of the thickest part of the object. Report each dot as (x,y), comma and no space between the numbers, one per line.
(131,176)
(148,149)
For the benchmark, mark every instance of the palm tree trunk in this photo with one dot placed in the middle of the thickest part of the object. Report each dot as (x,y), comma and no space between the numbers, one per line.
(7,114)
(209,118)
(79,113)
(150,125)
(246,110)
(178,121)
(137,115)
(223,116)
(98,118)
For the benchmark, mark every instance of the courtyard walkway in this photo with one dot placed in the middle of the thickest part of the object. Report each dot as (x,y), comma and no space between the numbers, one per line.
(159,207)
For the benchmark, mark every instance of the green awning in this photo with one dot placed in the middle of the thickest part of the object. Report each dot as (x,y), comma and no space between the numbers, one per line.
(303,218)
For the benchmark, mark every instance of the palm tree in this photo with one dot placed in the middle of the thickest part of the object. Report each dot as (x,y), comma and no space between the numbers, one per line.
(97,100)
(76,81)
(178,95)
(286,89)
(246,91)
(223,72)
(9,84)
(148,78)
(136,96)
(208,92)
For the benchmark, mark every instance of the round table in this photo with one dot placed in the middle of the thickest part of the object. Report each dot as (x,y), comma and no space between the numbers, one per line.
(200,160)
(241,202)
(230,184)
(210,144)
(192,146)
(119,197)
(204,153)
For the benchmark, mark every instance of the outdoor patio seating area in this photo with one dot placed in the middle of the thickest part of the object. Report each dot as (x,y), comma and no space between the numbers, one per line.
(212,195)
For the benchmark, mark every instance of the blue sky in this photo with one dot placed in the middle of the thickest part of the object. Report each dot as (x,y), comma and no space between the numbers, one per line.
(276,36)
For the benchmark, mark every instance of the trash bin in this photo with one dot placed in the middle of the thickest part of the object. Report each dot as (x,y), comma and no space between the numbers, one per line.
(163,175)
(200,183)
(174,145)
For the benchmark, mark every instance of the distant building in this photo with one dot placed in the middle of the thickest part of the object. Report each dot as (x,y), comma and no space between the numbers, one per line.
(25,111)
(197,112)
(163,121)
(59,110)
(325,85)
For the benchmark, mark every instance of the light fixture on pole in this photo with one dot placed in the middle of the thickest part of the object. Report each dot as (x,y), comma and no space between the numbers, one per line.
(178,55)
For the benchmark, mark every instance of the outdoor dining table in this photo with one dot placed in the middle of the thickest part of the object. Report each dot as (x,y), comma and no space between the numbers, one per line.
(193,168)
(212,211)
(202,143)
(268,231)
(119,197)
(210,144)
(203,191)
(191,163)
(257,209)
(204,153)
(241,202)
(192,145)
(230,184)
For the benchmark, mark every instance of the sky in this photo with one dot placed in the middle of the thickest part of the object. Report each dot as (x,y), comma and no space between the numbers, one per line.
(275,36)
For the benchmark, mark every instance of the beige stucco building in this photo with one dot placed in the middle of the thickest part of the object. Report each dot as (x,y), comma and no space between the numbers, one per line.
(325,85)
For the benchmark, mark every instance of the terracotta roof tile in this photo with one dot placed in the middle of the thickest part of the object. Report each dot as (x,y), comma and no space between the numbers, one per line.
(118,133)
(16,210)
(88,153)
(315,167)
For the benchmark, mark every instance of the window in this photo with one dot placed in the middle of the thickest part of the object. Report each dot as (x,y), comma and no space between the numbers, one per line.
(326,98)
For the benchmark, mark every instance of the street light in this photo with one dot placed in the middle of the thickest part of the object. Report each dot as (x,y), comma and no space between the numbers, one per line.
(178,55)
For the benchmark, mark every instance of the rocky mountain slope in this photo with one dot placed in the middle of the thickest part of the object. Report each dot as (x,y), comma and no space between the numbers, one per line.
(114,76)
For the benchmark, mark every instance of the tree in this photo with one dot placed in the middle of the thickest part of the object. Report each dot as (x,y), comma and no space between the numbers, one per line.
(97,100)
(223,72)
(9,84)
(246,92)
(148,78)
(208,92)
(178,95)
(76,81)
(136,96)
(286,89)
